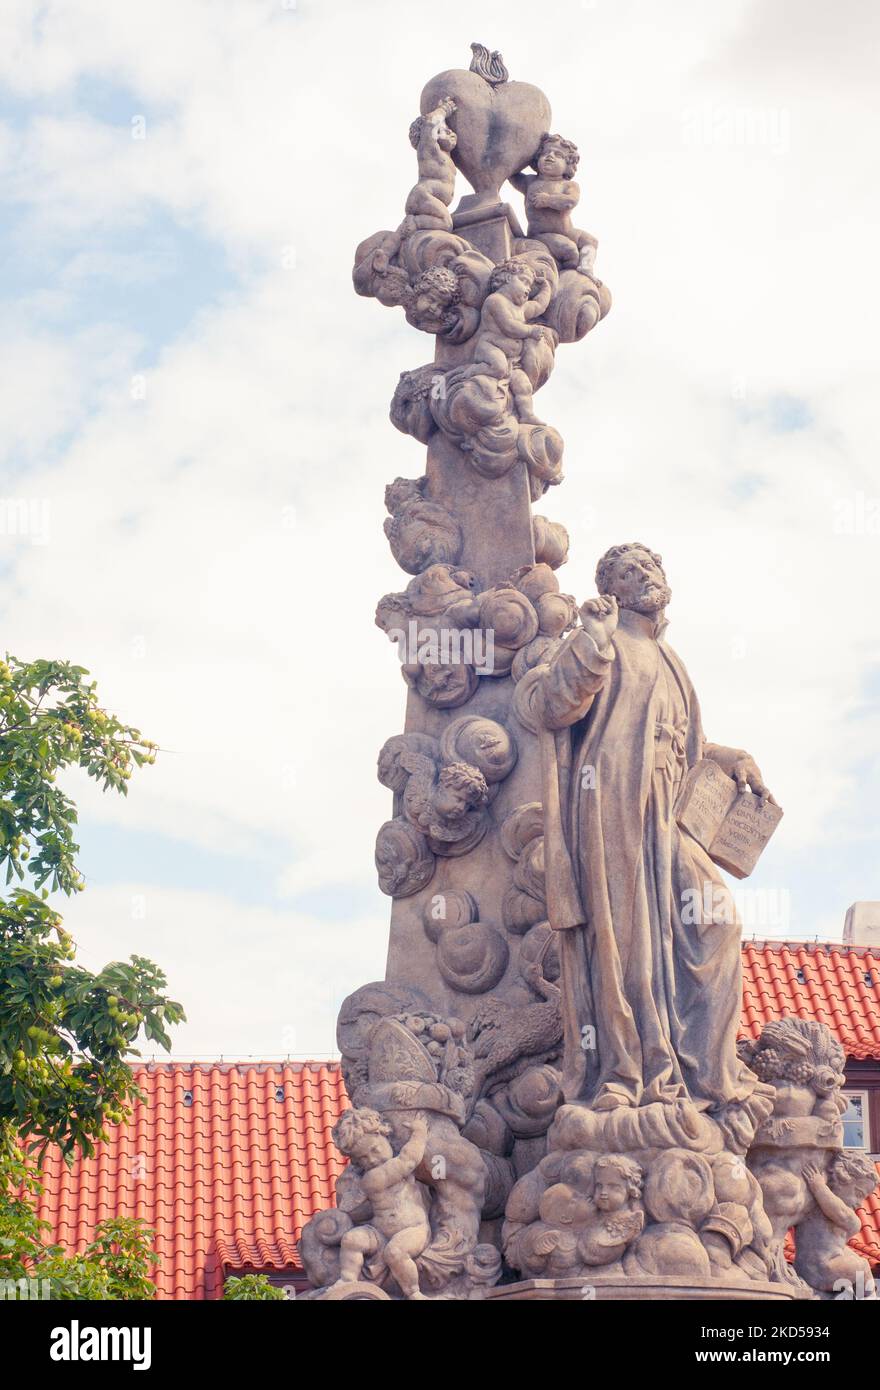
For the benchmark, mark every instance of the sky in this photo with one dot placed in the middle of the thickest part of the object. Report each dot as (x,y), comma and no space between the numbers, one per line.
(194,439)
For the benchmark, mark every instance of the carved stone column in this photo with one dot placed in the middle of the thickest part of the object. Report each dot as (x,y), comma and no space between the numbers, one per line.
(466,1165)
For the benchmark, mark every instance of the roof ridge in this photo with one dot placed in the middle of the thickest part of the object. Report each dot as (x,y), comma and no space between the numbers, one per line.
(242,1064)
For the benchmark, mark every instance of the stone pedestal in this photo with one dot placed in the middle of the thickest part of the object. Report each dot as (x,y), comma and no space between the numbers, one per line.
(491,230)
(638,1198)
(668,1290)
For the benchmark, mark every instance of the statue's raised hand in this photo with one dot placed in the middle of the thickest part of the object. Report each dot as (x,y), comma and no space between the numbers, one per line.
(599,619)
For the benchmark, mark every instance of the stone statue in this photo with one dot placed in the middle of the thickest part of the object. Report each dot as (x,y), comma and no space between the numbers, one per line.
(811,1185)
(507,1037)
(446,803)
(410,1076)
(662,995)
(398,1229)
(507,328)
(547,1094)
(431,305)
(588,1218)
(431,138)
(483,744)
(823,1259)
(420,532)
(551,194)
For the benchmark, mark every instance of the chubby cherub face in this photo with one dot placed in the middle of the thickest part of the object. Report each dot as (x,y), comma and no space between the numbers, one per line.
(431,302)
(451,801)
(518,287)
(551,162)
(610,1190)
(371,1150)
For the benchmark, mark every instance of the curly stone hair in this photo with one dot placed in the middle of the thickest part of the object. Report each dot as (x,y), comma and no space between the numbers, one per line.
(355,1125)
(605,567)
(514,265)
(439,278)
(567,148)
(626,1168)
(462,777)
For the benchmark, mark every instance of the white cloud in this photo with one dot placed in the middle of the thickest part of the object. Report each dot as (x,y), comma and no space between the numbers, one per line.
(254,982)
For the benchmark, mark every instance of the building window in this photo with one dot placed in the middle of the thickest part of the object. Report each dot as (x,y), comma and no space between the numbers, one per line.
(856,1129)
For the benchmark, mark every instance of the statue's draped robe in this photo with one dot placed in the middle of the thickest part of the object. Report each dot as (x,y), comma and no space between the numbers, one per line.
(643,963)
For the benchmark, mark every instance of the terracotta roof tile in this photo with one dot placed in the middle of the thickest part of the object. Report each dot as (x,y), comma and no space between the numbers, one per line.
(829,983)
(228,1182)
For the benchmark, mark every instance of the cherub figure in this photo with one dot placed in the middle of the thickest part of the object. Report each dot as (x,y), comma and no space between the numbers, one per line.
(444,803)
(550,1245)
(550,195)
(822,1256)
(616,1216)
(431,303)
(505,340)
(588,1217)
(399,1230)
(432,139)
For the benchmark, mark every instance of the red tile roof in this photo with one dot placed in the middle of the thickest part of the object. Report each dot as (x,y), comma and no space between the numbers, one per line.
(837,985)
(229,1181)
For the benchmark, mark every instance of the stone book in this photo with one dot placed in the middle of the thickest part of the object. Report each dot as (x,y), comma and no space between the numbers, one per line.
(732,826)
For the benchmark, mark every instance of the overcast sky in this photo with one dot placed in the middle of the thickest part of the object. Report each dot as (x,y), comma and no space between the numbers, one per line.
(194,403)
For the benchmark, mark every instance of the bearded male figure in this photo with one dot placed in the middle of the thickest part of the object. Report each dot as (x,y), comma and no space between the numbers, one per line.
(651,990)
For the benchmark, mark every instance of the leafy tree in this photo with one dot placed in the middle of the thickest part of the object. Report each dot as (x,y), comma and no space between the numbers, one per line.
(65,1032)
(252,1287)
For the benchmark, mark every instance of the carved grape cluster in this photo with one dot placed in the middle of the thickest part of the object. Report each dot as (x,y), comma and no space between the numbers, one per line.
(771,1065)
(767,1064)
(798,1051)
(444,1041)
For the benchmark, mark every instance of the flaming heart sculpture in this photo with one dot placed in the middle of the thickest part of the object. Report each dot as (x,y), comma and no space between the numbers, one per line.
(498,123)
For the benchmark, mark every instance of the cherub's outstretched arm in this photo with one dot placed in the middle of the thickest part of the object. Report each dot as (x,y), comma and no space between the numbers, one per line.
(831,1206)
(521,181)
(535,307)
(505,318)
(425,135)
(444,108)
(396,1169)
